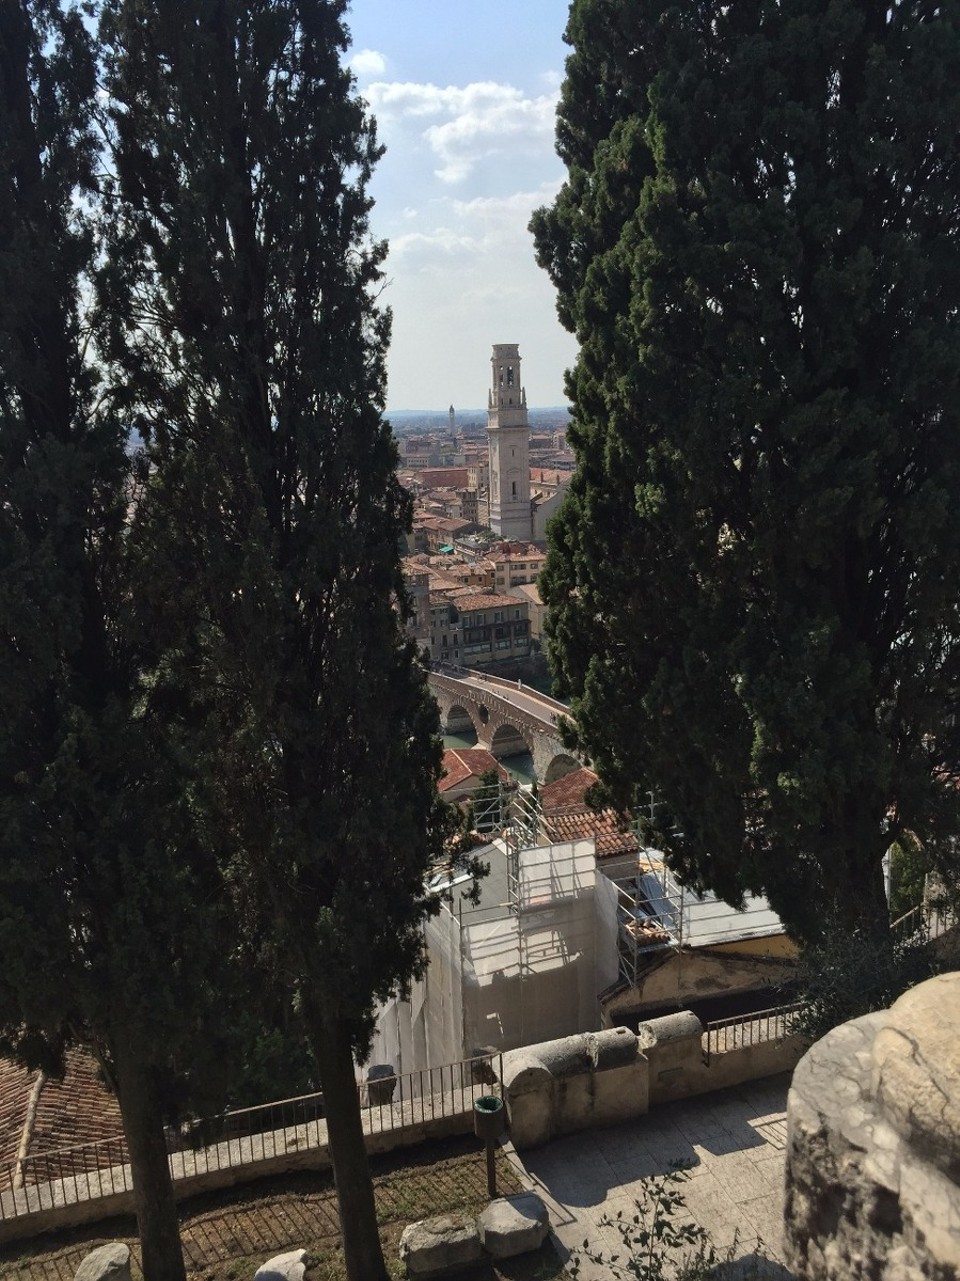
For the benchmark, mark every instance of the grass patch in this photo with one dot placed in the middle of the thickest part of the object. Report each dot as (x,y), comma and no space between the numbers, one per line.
(227,1235)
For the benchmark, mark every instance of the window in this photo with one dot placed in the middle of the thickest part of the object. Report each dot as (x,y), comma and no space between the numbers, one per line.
(516,613)
(503,644)
(498,616)
(509,375)
(514,489)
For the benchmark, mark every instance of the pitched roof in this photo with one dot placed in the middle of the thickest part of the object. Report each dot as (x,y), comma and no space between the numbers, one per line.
(462,763)
(568,817)
(571,789)
(602,826)
(473,600)
(444,477)
(75,1111)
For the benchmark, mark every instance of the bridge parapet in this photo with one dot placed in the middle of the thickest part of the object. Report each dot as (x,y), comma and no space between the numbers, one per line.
(490,703)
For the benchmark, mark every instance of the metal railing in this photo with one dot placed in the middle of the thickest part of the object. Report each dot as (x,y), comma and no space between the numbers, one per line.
(741,1030)
(925,921)
(911,923)
(246,1137)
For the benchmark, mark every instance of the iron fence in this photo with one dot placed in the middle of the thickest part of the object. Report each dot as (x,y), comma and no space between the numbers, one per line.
(246,1136)
(742,1030)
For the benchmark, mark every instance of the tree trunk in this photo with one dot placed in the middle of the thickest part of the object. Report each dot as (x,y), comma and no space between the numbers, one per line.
(860,893)
(330,1039)
(158,1224)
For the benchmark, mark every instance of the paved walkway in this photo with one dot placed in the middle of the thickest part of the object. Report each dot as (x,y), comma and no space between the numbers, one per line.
(734,1143)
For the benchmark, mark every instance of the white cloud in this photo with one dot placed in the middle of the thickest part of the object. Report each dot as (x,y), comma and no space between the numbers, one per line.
(470,125)
(367,62)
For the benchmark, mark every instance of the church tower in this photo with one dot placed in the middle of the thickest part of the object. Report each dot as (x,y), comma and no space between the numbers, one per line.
(508,434)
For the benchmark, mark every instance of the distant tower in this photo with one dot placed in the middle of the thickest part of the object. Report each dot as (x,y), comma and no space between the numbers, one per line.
(452,420)
(508,433)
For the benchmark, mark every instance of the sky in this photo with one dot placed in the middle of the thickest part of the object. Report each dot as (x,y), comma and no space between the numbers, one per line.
(465,97)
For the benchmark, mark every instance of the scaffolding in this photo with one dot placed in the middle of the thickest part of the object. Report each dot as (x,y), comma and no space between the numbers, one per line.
(650,914)
(515,815)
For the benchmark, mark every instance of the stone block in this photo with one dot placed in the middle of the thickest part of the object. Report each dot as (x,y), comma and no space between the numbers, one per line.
(107,1263)
(513,1225)
(436,1247)
(614,1048)
(294,1265)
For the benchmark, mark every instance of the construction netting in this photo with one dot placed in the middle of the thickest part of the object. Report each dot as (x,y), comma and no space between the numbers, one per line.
(526,965)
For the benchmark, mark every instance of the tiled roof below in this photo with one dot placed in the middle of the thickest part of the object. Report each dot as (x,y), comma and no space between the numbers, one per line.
(463,763)
(603,826)
(69,1114)
(571,789)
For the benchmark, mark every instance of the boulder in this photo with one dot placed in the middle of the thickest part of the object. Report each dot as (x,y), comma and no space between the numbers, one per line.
(295,1265)
(513,1225)
(434,1247)
(106,1263)
(916,1070)
(872,1192)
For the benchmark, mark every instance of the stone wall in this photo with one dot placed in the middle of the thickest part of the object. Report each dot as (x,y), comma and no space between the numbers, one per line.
(601,1078)
(873,1150)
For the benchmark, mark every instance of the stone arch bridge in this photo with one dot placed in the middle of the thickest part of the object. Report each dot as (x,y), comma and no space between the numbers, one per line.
(507,717)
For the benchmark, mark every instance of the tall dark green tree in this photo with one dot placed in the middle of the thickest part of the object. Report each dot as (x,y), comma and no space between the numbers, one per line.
(242,263)
(754,583)
(107,898)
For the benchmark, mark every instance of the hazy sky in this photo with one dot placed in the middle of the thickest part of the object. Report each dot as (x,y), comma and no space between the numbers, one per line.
(464,97)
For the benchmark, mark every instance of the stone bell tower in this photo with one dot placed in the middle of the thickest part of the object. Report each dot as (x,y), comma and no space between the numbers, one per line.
(508,435)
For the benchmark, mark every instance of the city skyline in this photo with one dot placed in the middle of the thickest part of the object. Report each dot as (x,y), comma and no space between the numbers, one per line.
(466,111)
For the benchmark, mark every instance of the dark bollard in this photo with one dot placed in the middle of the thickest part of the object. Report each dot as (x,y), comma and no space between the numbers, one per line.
(489,1122)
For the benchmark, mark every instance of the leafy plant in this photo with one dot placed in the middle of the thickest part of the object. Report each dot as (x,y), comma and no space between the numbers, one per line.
(851,973)
(659,1240)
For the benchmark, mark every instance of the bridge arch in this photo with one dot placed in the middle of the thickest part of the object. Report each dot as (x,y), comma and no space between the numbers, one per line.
(509,740)
(459,720)
(560,766)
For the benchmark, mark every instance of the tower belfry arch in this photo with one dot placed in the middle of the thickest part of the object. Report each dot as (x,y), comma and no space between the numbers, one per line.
(508,435)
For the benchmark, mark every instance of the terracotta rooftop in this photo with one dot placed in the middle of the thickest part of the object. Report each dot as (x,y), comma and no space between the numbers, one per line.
(571,789)
(461,764)
(568,817)
(602,826)
(77,1110)
(444,477)
(485,600)
(541,476)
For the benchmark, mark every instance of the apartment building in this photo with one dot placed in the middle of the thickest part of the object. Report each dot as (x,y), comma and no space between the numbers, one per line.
(478,629)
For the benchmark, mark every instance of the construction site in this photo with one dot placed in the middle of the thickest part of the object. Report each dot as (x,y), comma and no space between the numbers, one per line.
(561,940)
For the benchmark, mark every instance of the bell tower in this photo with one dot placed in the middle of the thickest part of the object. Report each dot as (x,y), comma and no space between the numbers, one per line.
(508,436)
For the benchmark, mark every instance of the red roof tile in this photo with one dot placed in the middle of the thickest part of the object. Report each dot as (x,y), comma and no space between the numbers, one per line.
(461,764)
(76,1111)
(571,789)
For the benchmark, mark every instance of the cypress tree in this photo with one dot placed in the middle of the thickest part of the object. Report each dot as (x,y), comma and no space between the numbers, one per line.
(108,915)
(244,280)
(754,583)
